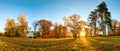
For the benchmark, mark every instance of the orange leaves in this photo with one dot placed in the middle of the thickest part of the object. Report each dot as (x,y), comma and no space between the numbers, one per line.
(46,23)
(45,27)
(74,24)
(22,19)
(10,23)
(22,23)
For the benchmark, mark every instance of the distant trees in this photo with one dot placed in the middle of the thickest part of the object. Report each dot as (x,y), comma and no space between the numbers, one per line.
(35,24)
(10,28)
(16,29)
(82,25)
(22,24)
(99,22)
(73,22)
(56,30)
(116,27)
(45,27)
(60,31)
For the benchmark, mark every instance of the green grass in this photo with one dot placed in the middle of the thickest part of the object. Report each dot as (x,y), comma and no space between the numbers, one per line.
(106,43)
(62,44)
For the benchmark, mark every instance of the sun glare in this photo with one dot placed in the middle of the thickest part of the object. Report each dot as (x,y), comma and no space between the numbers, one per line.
(82,33)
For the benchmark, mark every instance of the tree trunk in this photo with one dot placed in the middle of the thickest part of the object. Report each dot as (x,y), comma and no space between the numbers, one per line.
(104,30)
(95,29)
(91,32)
(75,35)
(108,32)
(74,31)
(114,30)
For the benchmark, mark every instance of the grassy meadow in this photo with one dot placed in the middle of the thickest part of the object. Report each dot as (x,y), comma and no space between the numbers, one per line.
(61,44)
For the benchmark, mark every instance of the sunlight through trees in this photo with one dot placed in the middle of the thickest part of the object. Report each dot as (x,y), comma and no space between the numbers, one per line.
(82,33)
(99,33)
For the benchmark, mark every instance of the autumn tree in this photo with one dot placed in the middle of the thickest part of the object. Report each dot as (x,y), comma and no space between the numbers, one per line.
(116,27)
(22,24)
(87,32)
(56,30)
(64,31)
(72,22)
(45,27)
(60,31)
(10,28)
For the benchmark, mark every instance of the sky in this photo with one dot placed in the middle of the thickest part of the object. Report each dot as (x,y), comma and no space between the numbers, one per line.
(53,10)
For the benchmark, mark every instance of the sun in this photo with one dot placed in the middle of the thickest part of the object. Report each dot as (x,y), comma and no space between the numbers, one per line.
(82,33)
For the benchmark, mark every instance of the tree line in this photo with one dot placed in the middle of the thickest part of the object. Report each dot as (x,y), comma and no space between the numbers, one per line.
(99,23)
(42,28)
(16,29)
